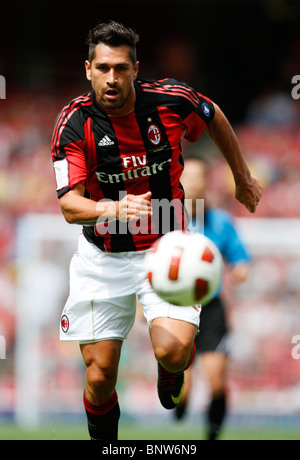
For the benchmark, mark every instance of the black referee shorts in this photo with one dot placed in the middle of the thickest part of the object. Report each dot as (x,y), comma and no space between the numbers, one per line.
(214,333)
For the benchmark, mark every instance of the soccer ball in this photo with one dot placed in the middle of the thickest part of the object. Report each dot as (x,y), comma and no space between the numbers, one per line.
(184,268)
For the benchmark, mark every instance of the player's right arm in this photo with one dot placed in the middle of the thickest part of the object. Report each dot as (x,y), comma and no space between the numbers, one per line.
(69,152)
(80,210)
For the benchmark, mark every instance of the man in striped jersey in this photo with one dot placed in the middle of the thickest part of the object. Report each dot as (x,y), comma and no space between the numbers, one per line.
(117,154)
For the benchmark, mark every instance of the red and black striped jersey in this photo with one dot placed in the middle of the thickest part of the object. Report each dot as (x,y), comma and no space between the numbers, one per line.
(133,154)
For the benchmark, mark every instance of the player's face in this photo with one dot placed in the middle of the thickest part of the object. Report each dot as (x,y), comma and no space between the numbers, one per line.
(112,74)
(193,179)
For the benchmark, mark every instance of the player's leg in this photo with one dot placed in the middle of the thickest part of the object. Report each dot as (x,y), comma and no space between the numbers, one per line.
(100,397)
(172,331)
(215,366)
(173,344)
(100,322)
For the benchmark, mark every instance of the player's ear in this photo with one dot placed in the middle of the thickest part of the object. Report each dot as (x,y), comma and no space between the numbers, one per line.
(88,70)
(136,69)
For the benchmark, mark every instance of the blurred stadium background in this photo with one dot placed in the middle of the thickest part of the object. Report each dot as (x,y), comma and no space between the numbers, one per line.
(243,55)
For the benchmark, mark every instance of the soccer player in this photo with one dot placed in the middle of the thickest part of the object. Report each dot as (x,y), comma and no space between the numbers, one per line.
(212,343)
(116,151)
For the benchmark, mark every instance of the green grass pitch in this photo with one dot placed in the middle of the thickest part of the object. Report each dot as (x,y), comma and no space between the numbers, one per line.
(144,431)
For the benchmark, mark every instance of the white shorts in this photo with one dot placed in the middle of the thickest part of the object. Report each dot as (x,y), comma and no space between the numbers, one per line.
(103,291)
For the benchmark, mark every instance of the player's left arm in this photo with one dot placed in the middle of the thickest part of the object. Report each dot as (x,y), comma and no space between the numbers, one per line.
(248,189)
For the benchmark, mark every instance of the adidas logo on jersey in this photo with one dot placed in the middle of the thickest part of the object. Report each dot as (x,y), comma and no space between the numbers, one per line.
(105,141)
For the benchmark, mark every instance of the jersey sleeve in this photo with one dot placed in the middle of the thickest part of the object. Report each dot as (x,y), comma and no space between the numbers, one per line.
(195,110)
(202,112)
(68,151)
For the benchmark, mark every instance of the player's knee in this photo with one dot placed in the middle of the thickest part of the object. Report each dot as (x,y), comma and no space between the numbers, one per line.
(173,358)
(101,379)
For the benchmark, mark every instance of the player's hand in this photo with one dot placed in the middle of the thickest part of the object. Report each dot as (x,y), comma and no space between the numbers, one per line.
(249,193)
(134,207)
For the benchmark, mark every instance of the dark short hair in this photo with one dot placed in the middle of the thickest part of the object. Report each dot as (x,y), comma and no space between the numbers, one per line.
(112,34)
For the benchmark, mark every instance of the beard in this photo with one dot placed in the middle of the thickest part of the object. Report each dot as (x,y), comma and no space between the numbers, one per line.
(112,105)
(116,103)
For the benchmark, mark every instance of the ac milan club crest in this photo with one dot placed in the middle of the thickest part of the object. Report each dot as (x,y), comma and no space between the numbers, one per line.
(65,323)
(154,135)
